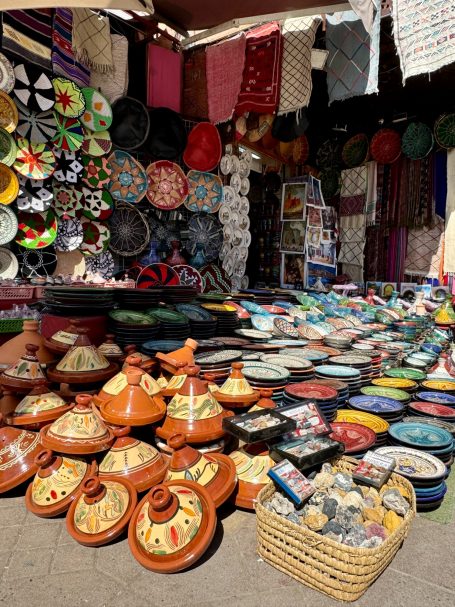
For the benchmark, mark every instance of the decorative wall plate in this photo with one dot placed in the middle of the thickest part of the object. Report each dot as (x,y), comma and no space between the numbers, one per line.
(130,233)
(207,231)
(69,234)
(167,185)
(9,266)
(417,141)
(67,200)
(69,100)
(39,127)
(415,465)
(34,160)
(9,185)
(8,224)
(215,279)
(97,143)
(205,192)
(96,173)
(97,204)
(444,131)
(128,180)
(97,115)
(33,88)
(355,150)
(69,133)
(385,146)
(8,148)
(7,77)
(8,113)
(37,262)
(102,264)
(69,166)
(189,276)
(96,237)
(157,275)
(37,230)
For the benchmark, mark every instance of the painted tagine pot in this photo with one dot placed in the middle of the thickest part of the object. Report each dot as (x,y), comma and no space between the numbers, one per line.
(63,340)
(24,373)
(175,382)
(236,391)
(133,406)
(110,349)
(252,463)
(215,471)
(80,431)
(8,402)
(173,361)
(56,483)
(194,412)
(147,363)
(18,449)
(39,407)
(129,458)
(265,402)
(172,526)
(11,350)
(101,510)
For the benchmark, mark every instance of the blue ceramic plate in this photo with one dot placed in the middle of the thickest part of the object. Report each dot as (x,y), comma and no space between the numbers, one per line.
(376,404)
(432,498)
(161,345)
(337,371)
(425,491)
(194,312)
(282,304)
(252,307)
(418,435)
(437,397)
(307,353)
(263,322)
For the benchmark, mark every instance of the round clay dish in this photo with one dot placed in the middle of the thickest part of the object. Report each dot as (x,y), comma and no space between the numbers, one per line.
(18,449)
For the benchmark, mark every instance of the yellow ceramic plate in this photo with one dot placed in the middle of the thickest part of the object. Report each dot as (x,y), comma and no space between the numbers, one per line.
(219,307)
(365,419)
(8,113)
(438,384)
(395,382)
(9,185)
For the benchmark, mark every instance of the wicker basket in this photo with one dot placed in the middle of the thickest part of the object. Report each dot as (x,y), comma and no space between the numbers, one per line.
(11,325)
(339,571)
(17,293)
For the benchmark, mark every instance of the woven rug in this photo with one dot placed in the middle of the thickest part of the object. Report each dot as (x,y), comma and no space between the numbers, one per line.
(195,104)
(396,254)
(260,90)
(63,61)
(27,35)
(352,228)
(353,62)
(372,192)
(352,253)
(353,190)
(449,246)
(115,85)
(424,35)
(296,82)
(92,44)
(424,251)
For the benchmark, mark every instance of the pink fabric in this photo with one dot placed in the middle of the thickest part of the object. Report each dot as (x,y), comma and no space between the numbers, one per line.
(224,69)
(164,78)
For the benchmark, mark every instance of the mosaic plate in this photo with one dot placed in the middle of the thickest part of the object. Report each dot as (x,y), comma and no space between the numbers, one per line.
(215,279)
(70,235)
(376,404)
(189,276)
(432,409)
(254,334)
(288,362)
(69,100)
(267,372)
(414,464)
(194,312)
(436,397)
(157,275)
(96,144)
(394,393)
(102,264)
(205,192)
(377,424)
(167,185)
(37,230)
(67,200)
(128,180)
(69,134)
(8,224)
(34,160)
(313,355)
(285,328)
(96,173)
(39,127)
(97,204)
(405,373)
(421,435)
(262,323)
(96,237)
(205,230)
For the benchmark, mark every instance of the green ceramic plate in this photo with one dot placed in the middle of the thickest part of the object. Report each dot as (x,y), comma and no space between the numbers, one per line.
(395,393)
(406,373)
(168,315)
(132,317)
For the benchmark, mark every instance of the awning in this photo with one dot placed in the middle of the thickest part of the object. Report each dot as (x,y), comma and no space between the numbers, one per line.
(129,5)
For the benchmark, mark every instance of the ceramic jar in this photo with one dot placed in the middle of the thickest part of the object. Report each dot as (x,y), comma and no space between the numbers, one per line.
(175,258)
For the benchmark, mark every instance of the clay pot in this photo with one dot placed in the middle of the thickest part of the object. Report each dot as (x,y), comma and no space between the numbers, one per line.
(172,526)
(194,412)
(236,391)
(216,472)
(129,458)
(62,341)
(56,483)
(133,406)
(18,449)
(8,402)
(252,463)
(101,511)
(40,406)
(79,431)
(265,402)
(110,349)
(147,363)
(23,374)
(11,350)
(175,382)
(173,361)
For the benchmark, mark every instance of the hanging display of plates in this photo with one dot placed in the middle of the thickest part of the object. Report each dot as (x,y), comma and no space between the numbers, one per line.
(330,182)
(8,224)
(69,234)
(7,77)
(385,146)
(69,100)
(96,172)
(162,232)
(96,143)
(9,266)
(97,204)
(69,166)
(8,148)
(417,141)
(34,196)
(67,200)
(205,192)
(329,154)
(69,134)
(33,88)
(34,160)
(157,275)
(130,233)
(207,231)
(167,185)
(8,113)
(355,150)
(97,115)
(215,279)
(102,264)
(9,185)
(96,237)
(444,131)
(37,262)
(37,230)
(39,127)
(235,182)
(128,180)
(189,276)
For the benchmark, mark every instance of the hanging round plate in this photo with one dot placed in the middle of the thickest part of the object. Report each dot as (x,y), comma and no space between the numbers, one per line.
(35,195)
(245,186)
(96,237)
(8,148)
(97,204)
(385,146)
(417,141)
(37,262)
(215,279)
(97,115)
(96,173)
(9,116)
(444,131)
(235,182)
(228,195)
(39,127)
(69,166)
(130,233)
(205,192)
(102,264)
(34,160)
(9,185)
(167,185)
(356,438)
(207,231)
(226,164)
(69,235)
(189,276)
(69,134)
(329,154)
(67,200)
(37,230)
(128,180)
(224,214)
(69,100)
(8,224)
(9,266)
(157,275)
(33,88)
(7,77)
(96,143)
(330,182)
(355,150)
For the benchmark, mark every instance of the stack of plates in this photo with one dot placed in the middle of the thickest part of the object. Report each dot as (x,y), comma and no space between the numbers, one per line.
(243,314)
(446,386)
(429,439)
(406,373)
(227,320)
(432,421)
(137,298)
(408,385)
(174,325)
(376,362)
(178,294)
(161,345)
(324,396)
(202,323)
(267,375)
(340,386)
(408,329)
(426,473)
(393,393)
(347,375)
(299,368)
(315,356)
(132,327)
(426,409)
(355,361)
(390,410)
(357,439)
(255,336)
(374,422)
(83,301)
(340,342)
(436,397)
(217,364)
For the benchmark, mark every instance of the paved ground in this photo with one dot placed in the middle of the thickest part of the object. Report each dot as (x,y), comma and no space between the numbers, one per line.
(41,565)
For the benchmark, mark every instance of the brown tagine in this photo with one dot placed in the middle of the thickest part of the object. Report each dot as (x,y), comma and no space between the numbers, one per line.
(64,339)
(8,402)
(11,350)
(172,361)
(265,402)
(24,373)
(172,526)
(18,449)
(252,463)
(39,407)
(101,510)
(236,391)
(56,483)
(147,363)
(110,349)
(175,382)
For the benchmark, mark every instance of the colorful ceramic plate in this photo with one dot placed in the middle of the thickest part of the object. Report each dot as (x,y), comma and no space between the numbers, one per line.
(8,148)
(215,358)
(377,424)
(376,404)
(417,435)
(9,266)
(167,185)
(8,224)
(285,328)
(309,390)
(69,235)
(262,322)
(189,276)
(34,160)
(157,275)
(9,185)
(406,373)
(391,382)
(96,173)
(128,180)
(9,116)
(69,100)
(67,200)
(7,77)
(205,230)
(254,370)
(102,264)
(97,204)
(215,279)
(205,192)
(96,237)
(193,312)
(97,115)
(37,230)
(69,134)
(336,371)
(394,393)
(39,127)
(440,385)
(33,88)
(436,397)
(432,409)
(355,437)
(97,143)
(414,464)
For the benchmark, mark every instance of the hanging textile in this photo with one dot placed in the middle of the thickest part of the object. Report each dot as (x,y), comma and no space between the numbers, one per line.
(352,228)
(224,66)
(260,90)
(92,44)
(440,182)
(115,85)
(449,241)
(396,254)
(424,35)
(195,93)
(164,78)
(296,82)
(27,36)
(352,238)
(424,251)
(63,61)
(353,190)
(371,194)
(365,10)
(353,62)
(372,253)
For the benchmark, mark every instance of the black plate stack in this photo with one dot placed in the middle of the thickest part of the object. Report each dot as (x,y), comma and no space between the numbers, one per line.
(138,299)
(80,301)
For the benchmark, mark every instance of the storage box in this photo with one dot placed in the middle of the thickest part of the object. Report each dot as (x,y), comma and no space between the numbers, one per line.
(236,426)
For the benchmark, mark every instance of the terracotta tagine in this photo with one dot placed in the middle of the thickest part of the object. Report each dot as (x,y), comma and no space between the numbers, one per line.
(175,382)
(147,363)
(252,463)
(173,361)
(79,431)
(11,350)
(194,412)
(18,449)
(265,402)
(129,458)
(110,349)
(8,402)
(117,383)
(23,374)
(40,406)
(82,364)
(216,472)
(63,340)
(162,382)
(172,526)
(236,391)
(56,483)
(101,511)
(133,406)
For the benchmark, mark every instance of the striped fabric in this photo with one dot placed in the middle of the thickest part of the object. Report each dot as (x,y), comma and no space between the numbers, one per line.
(63,61)
(27,36)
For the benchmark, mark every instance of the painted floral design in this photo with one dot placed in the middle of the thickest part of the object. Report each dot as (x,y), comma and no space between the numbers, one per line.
(82,358)
(98,517)
(252,468)
(56,487)
(193,408)
(79,424)
(130,458)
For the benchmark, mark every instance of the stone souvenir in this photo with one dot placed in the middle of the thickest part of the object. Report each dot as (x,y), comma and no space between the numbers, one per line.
(18,449)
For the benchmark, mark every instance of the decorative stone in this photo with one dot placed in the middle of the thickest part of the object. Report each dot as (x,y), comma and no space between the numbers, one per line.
(374,529)
(343,481)
(392,521)
(374,514)
(373,542)
(326,467)
(316,522)
(311,510)
(318,498)
(334,530)
(346,518)
(353,499)
(330,508)
(393,500)
(356,536)
(357,490)
(281,504)
(334,495)
(323,480)
(294,518)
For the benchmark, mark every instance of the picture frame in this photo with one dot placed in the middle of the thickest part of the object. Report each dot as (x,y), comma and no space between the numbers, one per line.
(292,271)
(293,237)
(293,201)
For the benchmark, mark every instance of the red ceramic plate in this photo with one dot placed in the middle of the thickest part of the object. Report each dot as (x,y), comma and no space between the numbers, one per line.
(189,276)
(310,390)
(355,437)
(157,275)
(432,409)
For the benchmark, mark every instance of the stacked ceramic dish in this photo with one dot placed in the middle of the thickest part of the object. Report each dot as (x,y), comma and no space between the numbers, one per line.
(408,385)
(308,353)
(341,342)
(202,323)
(161,345)
(78,300)
(340,386)
(132,299)
(406,373)
(409,329)
(217,365)
(393,393)
(432,421)
(255,336)
(347,375)
(267,375)
(325,397)
(436,397)
(132,327)
(174,294)
(356,438)
(374,422)
(428,439)
(243,315)
(173,325)
(226,316)
(390,410)
(355,361)
(299,368)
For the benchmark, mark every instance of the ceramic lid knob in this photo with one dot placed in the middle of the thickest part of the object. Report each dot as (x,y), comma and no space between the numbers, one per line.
(110,338)
(82,338)
(47,462)
(31,349)
(121,431)
(134,376)
(83,400)
(93,489)
(177,441)
(30,325)
(133,360)
(192,370)
(237,370)
(162,504)
(191,343)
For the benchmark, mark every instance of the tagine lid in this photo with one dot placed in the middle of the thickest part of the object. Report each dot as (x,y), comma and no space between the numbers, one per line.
(265,402)
(252,462)
(133,406)
(101,511)
(79,431)
(40,405)
(117,383)
(215,471)
(109,348)
(176,382)
(56,483)
(172,526)
(25,371)
(82,356)
(236,387)
(18,449)
(184,355)
(64,339)
(135,460)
